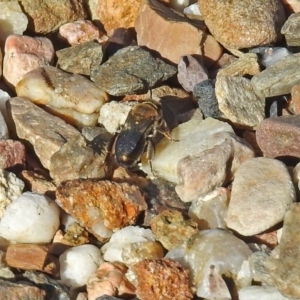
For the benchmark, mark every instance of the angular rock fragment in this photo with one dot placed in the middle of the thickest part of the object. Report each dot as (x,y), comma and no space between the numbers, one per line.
(290,30)
(131,70)
(101,206)
(262,192)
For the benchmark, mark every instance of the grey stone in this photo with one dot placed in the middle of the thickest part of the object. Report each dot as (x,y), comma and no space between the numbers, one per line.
(291,30)
(80,59)
(279,78)
(131,70)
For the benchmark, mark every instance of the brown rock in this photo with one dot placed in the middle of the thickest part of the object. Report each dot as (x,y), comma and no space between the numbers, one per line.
(162,279)
(47,15)
(13,155)
(101,206)
(279,136)
(290,30)
(114,13)
(1,57)
(243,24)
(294,104)
(172,35)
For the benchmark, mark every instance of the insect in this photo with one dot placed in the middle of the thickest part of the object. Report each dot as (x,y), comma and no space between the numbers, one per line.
(138,134)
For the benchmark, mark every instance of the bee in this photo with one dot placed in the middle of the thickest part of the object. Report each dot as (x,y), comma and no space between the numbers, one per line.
(138,134)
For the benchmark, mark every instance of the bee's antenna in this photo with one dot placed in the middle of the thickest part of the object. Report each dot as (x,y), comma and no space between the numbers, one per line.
(151,94)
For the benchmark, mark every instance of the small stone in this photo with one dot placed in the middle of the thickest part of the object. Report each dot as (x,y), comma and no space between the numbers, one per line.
(171,228)
(264,292)
(4,96)
(220,16)
(212,167)
(238,101)
(190,72)
(110,280)
(290,30)
(47,16)
(279,136)
(163,278)
(131,70)
(192,11)
(11,188)
(101,206)
(31,218)
(294,104)
(78,263)
(10,12)
(80,59)
(72,96)
(262,192)
(24,54)
(284,258)
(81,31)
(292,6)
(207,100)
(279,78)
(157,20)
(3,127)
(13,155)
(46,133)
(192,137)
(76,235)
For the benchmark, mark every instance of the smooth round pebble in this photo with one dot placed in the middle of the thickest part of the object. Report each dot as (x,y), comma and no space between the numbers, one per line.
(31,218)
(78,263)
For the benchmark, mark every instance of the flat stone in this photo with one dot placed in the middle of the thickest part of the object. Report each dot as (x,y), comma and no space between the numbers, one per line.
(284,258)
(279,136)
(279,78)
(80,59)
(130,70)
(238,101)
(48,15)
(24,54)
(45,132)
(157,20)
(262,192)
(101,206)
(290,30)
(220,16)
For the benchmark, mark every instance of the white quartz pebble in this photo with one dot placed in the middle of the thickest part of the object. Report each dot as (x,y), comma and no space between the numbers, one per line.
(78,263)
(261,293)
(31,218)
(3,128)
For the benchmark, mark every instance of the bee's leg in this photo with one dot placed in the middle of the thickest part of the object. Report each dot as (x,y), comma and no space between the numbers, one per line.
(164,130)
(150,153)
(109,148)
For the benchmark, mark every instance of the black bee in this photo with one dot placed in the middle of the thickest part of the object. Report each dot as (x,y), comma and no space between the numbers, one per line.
(144,121)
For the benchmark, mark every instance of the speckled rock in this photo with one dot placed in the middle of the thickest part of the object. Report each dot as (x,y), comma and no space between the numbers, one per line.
(294,103)
(162,278)
(157,20)
(220,16)
(47,15)
(284,258)
(279,136)
(262,192)
(238,101)
(80,59)
(101,206)
(46,133)
(290,30)
(132,69)
(279,78)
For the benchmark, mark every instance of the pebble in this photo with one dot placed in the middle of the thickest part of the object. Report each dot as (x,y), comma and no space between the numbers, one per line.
(31,218)
(190,72)
(279,78)
(72,96)
(262,192)
(260,292)
(279,136)
(239,102)
(292,6)
(78,264)
(23,54)
(294,103)
(284,259)
(101,206)
(4,96)
(131,70)
(9,12)
(46,133)
(157,20)
(80,59)
(290,30)
(220,17)
(4,134)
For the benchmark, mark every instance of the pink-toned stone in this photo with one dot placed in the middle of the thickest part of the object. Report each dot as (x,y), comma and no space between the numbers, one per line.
(173,35)
(24,54)
(279,136)
(81,31)
(292,6)
(13,155)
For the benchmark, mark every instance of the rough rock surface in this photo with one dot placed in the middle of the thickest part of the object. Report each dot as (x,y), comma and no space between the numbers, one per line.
(231,22)
(169,29)
(294,104)
(290,30)
(132,69)
(262,192)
